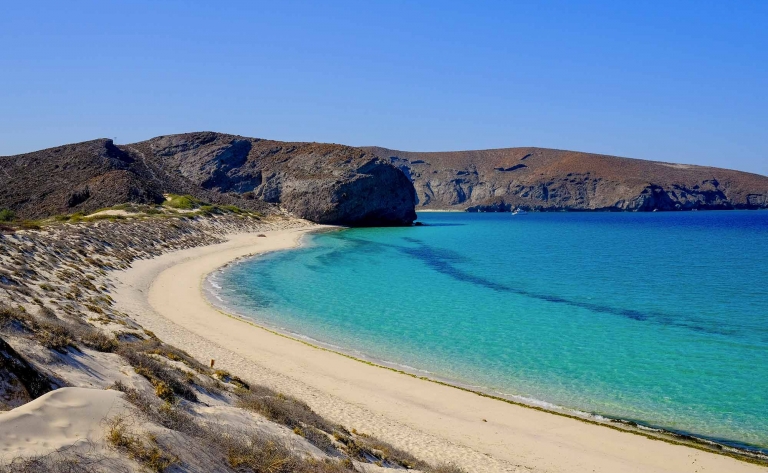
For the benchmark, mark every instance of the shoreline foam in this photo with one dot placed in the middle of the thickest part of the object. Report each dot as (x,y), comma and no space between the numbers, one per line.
(529,435)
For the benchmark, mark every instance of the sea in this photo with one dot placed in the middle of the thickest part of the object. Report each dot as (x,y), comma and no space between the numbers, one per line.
(660,319)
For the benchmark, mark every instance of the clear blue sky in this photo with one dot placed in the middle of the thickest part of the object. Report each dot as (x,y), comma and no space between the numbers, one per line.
(673,81)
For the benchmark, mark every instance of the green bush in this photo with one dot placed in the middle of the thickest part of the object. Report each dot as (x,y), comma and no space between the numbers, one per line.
(183,202)
(6,215)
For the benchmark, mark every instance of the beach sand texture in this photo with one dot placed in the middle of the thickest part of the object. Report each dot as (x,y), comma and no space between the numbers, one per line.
(435,422)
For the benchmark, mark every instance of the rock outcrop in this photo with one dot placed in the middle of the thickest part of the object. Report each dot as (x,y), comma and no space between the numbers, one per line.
(549,180)
(330,183)
(20,382)
(325,183)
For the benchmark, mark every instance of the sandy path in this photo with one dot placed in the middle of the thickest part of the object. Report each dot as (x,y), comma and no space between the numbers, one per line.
(437,423)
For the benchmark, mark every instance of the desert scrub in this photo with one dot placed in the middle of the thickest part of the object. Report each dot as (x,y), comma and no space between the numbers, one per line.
(292,413)
(51,333)
(144,449)
(365,448)
(96,340)
(256,453)
(14,316)
(56,334)
(6,215)
(168,382)
(227,377)
(182,202)
(168,415)
(283,409)
(84,459)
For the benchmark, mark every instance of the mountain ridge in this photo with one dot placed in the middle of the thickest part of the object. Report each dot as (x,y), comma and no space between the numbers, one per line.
(333,183)
(320,182)
(545,179)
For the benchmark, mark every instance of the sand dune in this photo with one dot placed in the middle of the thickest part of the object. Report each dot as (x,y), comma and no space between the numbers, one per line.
(64,418)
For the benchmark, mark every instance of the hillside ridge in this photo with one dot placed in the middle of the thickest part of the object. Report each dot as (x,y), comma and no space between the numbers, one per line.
(549,180)
(358,186)
(324,183)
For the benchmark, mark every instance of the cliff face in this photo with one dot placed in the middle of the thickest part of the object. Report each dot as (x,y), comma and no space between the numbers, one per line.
(330,183)
(545,179)
(324,183)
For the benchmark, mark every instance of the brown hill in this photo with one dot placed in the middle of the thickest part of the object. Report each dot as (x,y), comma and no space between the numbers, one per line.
(547,179)
(325,183)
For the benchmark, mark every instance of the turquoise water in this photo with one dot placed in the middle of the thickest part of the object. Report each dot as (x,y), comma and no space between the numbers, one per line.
(659,318)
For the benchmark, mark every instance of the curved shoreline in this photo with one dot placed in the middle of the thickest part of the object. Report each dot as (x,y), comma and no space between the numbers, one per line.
(421,417)
(720,446)
(638,427)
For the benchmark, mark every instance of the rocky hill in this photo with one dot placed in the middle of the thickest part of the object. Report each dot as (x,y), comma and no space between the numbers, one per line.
(547,179)
(330,183)
(325,183)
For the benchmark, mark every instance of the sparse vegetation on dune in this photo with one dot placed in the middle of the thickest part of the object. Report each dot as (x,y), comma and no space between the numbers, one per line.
(177,207)
(183,202)
(143,448)
(55,303)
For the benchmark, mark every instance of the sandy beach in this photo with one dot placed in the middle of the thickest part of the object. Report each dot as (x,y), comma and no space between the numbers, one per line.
(435,422)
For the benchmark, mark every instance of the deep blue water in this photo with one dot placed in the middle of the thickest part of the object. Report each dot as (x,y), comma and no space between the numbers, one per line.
(661,318)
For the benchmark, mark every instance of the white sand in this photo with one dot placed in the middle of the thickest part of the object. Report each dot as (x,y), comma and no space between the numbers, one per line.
(64,418)
(435,422)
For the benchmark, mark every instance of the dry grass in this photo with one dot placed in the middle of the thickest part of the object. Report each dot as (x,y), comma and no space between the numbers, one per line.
(168,382)
(54,333)
(255,453)
(161,413)
(297,415)
(65,460)
(142,448)
(99,341)
(241,451)
(283,409)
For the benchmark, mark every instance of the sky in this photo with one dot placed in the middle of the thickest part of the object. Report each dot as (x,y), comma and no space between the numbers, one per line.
(673,81)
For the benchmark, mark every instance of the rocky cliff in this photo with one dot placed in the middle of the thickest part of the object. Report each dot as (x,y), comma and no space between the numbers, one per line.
(546,179)
(325,183)
(329,183)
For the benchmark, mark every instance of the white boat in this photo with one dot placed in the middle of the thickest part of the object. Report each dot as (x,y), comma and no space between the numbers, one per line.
(519,211)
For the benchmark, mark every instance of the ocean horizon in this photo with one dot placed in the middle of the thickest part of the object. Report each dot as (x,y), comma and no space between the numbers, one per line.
(653,318)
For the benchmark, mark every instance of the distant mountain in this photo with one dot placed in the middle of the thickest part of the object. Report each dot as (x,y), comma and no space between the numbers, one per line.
(548,179)
(330,183)
(325,183)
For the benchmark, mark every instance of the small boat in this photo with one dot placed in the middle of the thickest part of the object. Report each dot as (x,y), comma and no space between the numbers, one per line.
(519,211)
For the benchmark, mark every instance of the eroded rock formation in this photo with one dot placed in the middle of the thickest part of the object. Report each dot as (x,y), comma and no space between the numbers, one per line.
(325,183)
(545,179)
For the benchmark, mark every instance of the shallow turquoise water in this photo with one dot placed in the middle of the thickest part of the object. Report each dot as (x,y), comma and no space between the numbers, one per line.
(659,318)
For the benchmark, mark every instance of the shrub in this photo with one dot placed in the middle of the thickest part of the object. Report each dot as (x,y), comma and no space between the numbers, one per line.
(30,225)
(6,215)
(99,341)
(282,409)
(144,450)
(232,208)
(183,202)
(54,335)
(209,210)
(9,315)
(168,382)
(64,460)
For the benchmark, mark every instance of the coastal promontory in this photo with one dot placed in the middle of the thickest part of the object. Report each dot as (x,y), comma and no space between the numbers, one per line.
(550,180)
(325,183)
